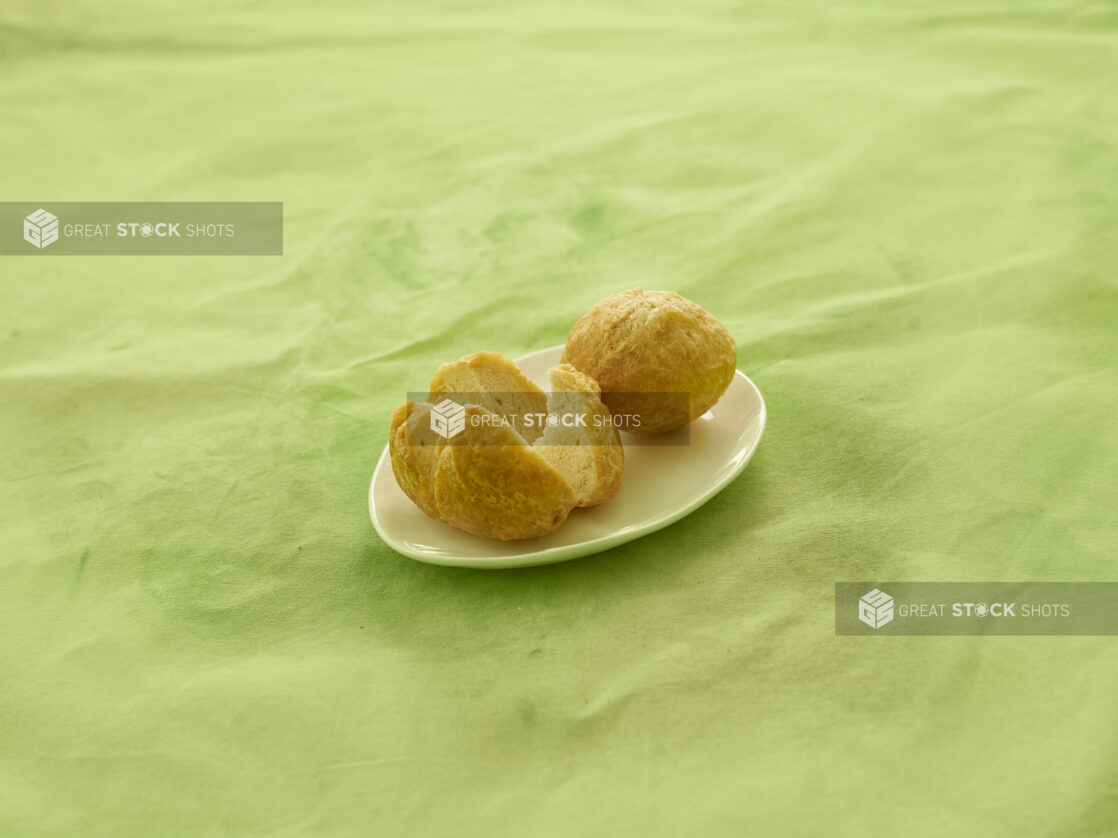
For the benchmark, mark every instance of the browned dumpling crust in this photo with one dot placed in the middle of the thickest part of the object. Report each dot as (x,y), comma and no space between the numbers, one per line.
(640,344)
(486,480)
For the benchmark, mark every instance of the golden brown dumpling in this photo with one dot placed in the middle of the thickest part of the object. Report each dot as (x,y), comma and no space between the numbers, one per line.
(643,346)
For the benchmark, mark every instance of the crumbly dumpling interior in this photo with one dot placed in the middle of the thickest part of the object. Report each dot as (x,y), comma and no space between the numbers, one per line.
(494,382)
(589,456)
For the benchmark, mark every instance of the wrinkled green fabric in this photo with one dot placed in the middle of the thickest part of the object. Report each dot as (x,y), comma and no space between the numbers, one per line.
(905,215)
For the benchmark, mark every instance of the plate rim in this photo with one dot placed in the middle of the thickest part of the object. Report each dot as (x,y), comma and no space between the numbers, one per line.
(553,555)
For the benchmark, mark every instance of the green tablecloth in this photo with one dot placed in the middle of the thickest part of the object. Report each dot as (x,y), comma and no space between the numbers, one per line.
(905,216)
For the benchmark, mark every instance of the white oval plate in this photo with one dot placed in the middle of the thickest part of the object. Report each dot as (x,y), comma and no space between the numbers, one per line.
(662,483)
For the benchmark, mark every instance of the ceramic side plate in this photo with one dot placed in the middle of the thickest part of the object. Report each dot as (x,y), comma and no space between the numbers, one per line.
(662,483)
